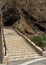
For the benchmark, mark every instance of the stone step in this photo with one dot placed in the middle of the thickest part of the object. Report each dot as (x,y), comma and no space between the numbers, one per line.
(17,47)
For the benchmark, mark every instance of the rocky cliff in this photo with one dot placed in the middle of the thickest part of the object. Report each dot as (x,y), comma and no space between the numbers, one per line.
(34,8)
(34,12)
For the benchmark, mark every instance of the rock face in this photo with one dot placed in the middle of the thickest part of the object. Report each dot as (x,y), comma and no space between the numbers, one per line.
(2,2)
(33,10)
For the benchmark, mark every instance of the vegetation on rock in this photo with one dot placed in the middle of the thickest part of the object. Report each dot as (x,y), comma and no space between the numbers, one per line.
(39,40)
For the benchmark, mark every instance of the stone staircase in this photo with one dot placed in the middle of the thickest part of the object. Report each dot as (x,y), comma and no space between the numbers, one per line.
(17,47)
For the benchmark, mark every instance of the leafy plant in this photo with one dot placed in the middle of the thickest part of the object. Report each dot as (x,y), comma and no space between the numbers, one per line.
(39,40)
(43,42)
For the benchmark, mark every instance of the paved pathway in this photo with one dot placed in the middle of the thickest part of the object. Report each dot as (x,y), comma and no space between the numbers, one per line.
(30,62)
(40,61)
(43,62)
(17,47)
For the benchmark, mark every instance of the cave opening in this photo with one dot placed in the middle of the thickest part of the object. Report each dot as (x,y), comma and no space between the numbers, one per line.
(9,16)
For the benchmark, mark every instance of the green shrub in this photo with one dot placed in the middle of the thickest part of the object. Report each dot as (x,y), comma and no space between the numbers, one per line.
(43,42)
(44,36)
(39,40)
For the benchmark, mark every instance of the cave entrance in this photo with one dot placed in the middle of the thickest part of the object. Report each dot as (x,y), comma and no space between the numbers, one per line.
(9,16)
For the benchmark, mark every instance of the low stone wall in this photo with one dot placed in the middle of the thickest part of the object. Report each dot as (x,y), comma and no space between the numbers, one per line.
(1,49)
(32,43)
(39,50)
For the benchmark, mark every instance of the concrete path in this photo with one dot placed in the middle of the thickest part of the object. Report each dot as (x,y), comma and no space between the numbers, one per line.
(40,61)
(17,47)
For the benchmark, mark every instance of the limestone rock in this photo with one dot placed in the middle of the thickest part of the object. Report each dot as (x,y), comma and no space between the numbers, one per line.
(35,8)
